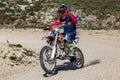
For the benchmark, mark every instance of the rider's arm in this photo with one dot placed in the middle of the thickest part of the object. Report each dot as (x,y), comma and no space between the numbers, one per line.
(57,22)
(73,18)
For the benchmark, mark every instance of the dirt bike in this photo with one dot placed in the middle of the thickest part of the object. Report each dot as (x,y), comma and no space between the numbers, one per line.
(57,49)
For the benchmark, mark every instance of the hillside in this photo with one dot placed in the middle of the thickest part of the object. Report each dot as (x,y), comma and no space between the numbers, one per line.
(95,14)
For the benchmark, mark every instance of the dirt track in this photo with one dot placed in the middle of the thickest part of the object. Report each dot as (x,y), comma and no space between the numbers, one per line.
(101,51)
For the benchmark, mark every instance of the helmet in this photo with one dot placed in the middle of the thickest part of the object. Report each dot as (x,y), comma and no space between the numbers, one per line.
(62,9)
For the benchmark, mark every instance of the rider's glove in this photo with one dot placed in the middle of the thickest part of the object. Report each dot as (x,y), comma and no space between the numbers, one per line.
(47,27)
(69,23)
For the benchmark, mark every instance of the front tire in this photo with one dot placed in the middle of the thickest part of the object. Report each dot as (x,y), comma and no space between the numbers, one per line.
(46,63)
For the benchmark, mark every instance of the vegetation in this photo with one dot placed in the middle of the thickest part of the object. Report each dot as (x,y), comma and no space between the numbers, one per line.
(97,7)
(16,54)
(24,13)
(15,45)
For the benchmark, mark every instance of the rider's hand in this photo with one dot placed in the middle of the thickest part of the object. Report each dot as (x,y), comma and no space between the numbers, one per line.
(47,27)
(69,23)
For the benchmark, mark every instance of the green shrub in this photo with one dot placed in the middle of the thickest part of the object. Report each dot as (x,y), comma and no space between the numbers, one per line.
(28,52)
(16,45)
(8,10)
(14,58)
(31,13)
(21,2)
(2,4)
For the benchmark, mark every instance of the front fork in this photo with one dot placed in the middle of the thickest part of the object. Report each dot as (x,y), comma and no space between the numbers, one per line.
(54,47)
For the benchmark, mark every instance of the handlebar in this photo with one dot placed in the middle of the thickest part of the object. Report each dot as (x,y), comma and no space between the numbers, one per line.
(58,26)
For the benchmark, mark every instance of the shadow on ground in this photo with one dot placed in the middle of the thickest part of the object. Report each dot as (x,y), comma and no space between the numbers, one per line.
(70,66)
(64,67)
(94,62)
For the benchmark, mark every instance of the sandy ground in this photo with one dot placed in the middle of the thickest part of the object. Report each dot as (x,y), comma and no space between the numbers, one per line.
(101,51)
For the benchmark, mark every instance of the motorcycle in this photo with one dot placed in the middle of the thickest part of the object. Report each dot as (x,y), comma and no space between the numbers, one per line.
(58,49)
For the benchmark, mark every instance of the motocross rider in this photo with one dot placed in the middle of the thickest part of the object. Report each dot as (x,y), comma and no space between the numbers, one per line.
(70,28)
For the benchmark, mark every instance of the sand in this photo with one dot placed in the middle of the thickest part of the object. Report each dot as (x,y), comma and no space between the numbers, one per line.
(101,50)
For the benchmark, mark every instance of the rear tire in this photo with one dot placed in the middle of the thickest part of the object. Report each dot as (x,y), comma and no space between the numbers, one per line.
(79,58)
(44,58)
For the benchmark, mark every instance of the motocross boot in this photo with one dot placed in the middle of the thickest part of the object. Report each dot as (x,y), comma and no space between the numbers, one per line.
(72,53)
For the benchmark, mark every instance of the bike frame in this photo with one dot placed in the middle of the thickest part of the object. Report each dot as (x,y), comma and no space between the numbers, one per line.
(54,47)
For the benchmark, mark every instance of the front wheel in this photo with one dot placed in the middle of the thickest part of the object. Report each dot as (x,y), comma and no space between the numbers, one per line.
(47,64)
(79,58)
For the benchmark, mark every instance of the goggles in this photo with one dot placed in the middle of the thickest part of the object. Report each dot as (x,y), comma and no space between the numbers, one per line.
(61,11)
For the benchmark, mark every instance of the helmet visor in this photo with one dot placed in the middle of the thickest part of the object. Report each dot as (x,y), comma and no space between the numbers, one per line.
(61,11)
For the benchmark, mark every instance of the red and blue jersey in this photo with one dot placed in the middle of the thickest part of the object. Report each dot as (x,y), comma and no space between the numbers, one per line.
(68,28)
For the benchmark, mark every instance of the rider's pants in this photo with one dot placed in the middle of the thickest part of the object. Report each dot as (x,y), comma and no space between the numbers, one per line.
(70,36)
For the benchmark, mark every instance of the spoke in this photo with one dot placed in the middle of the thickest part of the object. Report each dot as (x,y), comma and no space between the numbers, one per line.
(78,58)
(46,59)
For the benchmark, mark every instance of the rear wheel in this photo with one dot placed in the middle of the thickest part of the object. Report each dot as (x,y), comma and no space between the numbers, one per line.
(79,61)
(46,63)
